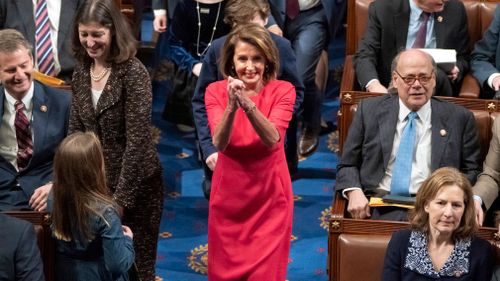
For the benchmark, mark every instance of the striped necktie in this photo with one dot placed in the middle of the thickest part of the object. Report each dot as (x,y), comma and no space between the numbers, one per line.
(44,53)
(422,31)
(292,8)
(23,135)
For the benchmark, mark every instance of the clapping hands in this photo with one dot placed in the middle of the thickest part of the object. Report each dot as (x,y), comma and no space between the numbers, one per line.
(237,98)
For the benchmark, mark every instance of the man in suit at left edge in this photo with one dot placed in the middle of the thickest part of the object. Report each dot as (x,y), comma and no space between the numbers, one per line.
(19,251)
(26,170)
(19,15)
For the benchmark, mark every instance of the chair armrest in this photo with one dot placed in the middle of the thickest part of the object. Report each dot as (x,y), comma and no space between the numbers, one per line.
(348,82)
(339,206)
(470,87)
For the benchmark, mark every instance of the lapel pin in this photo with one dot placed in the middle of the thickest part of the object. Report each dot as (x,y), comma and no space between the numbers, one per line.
(440,19)
(443,132)
(43,108)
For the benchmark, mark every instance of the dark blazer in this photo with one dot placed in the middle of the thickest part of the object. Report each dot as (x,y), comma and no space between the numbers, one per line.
(122,121)
(386,33)
(480,260)
(19,253)
(278,13)
(485,59)
(169,5)
(18,15)
(369,143)
(210,73)
(50,127)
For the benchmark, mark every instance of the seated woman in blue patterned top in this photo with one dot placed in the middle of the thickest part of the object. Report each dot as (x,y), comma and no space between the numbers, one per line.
(441,244)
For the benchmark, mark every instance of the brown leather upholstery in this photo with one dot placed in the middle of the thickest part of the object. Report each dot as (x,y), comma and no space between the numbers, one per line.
(41,223)
(362,243)
(479,16)
(362,267)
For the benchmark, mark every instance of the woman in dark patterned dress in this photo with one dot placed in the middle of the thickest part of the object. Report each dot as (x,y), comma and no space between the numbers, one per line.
(112,97)
(441,244)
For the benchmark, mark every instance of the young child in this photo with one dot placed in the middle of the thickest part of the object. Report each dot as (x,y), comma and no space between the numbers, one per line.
(91,243)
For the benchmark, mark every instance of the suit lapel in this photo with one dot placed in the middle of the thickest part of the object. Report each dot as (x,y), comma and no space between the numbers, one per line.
(26,13)
(439,29)
(387,120)
(111,93)
(401,22)
(440,133)
(68,8)
(41,111)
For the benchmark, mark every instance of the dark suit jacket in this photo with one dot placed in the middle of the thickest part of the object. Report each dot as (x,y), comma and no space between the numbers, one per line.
(18,14)
(278,13)
(49,129)
(369,143)
(19,253)
(210,73)
(480,260)
(386,33)
(485,59)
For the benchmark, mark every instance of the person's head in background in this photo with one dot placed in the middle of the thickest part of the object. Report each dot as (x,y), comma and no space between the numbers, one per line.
(102,33)
(250,54)
(16,63)
(414,77)
(445,206)
(239,12)
(79,186)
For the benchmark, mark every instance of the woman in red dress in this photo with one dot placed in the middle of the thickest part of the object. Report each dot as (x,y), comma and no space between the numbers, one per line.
(251,202)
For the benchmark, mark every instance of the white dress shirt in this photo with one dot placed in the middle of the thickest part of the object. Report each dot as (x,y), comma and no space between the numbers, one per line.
(8,140)
(96,95)
(415,23)
(308,4)
(421,164)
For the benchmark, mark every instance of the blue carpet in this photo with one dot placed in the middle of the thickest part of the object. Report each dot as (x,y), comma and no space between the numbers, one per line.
(182,246)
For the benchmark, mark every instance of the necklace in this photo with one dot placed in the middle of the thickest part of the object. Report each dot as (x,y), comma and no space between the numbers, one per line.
(98,77)
(199,29)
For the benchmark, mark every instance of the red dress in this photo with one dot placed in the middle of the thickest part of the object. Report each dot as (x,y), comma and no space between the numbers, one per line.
(251,202)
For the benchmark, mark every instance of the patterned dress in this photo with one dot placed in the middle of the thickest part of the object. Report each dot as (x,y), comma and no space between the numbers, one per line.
(122,121)
(251,202)
(407,259)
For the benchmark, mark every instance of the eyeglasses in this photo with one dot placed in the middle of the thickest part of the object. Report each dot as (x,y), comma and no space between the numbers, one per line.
(410,80)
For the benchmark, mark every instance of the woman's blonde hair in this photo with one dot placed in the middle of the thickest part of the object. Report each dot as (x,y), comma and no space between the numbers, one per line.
(446,176)
(239,12)
(79,187)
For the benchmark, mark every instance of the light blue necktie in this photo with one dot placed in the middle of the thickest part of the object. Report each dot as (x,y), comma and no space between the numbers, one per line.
(401,174)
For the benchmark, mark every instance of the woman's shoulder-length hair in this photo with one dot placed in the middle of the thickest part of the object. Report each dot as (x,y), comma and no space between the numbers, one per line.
(105,13)
(419,218)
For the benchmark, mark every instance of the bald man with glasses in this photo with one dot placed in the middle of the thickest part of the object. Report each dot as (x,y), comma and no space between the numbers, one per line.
(395,141)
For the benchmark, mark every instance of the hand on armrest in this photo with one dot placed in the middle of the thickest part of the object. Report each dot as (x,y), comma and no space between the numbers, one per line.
(358,204)
(479,211)
(374,86)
